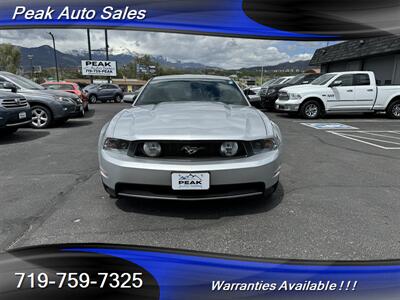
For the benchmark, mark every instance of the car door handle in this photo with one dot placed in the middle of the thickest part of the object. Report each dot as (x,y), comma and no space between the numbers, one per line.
(370,90)
(349,90)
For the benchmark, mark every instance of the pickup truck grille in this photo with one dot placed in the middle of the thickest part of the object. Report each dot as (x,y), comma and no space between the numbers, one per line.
(187,149)
(283,96)
(263,91)
(12,103)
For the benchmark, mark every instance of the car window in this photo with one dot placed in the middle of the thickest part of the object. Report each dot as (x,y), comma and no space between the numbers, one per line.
(361,79)
(64,87)
(24,82)
(324,79)
(191,90)
(296,79)
(347,79)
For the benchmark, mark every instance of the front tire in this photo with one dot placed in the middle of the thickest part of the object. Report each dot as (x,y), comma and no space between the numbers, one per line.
(118,99)
(41,117)
(311,109)
(93,99)
(393,110)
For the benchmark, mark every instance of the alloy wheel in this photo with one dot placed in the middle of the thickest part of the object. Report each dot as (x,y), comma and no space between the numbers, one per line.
(311,110)
(396,110)
(40,117)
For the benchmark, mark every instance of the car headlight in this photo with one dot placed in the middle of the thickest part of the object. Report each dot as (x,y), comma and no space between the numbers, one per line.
(264,145)
(116,144)
(229,149)
(295,96)
(271,91)
(65,99)
(152,149)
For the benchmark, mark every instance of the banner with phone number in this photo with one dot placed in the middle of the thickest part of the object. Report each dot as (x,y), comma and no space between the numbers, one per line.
(122,272)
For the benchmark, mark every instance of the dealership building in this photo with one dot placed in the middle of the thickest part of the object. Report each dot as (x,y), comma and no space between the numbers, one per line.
(380,55)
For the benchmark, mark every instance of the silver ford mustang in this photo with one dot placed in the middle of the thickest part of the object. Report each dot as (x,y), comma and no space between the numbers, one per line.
(190,137)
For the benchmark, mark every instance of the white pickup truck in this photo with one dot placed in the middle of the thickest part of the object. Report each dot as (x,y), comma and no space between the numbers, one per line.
(341,92)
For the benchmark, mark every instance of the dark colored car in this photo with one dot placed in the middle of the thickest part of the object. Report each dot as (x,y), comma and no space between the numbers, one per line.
(103,92)
(69,87)
(47,106)
(269,97)
(15,112)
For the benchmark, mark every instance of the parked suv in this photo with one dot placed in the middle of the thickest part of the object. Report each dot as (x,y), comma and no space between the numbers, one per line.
(269,98)
(15,112)
(103,92)
(69,87)
(47,106)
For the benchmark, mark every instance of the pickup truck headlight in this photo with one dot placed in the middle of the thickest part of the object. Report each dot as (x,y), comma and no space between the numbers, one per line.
(295,96)
(116,144)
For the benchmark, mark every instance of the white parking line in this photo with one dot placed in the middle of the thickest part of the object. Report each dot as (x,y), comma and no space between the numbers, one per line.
(352,135)
(383,135)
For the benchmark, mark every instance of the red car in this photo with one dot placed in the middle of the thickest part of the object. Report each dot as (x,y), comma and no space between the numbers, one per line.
(70,87)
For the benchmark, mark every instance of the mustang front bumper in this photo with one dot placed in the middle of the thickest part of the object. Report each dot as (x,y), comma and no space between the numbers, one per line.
(152,178)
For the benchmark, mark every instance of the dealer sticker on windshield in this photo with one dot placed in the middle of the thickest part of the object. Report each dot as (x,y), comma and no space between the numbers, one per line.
(190,181)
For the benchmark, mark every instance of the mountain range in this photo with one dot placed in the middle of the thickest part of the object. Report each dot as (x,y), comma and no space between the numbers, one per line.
(43,56)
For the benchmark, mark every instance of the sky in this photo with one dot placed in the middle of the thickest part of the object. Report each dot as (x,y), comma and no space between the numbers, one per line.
(223,52)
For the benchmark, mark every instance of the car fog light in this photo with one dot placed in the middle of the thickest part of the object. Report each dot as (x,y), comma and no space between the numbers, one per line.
(152,149)
(229,149)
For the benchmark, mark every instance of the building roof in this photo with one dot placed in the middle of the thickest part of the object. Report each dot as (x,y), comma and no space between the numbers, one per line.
(356,49)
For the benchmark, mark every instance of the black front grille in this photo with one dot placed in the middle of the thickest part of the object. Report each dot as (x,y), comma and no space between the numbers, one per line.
(11,103)
(283,96)
(188,149)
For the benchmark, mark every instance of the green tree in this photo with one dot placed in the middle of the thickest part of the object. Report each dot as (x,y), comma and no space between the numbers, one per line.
(10,58)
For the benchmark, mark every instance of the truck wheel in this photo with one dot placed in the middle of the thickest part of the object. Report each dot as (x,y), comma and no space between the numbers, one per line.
(41,117)
(93,99)
(310,110)
(393,110)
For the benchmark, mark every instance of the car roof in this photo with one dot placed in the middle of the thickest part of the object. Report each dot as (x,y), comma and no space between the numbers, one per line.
(58,82)
(191,77)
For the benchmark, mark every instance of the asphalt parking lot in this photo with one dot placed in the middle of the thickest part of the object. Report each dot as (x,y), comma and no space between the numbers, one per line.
(339,197)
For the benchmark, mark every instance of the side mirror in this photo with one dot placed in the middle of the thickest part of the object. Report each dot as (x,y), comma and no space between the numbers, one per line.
(336,83)
(10,86)
(246,92)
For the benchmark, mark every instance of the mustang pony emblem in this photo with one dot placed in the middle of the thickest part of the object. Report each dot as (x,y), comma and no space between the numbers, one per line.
(191,149)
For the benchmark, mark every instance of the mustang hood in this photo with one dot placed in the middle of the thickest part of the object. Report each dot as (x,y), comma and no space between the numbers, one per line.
(189,121)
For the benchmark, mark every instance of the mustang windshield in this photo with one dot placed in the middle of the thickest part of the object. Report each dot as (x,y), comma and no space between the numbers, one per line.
(224,91)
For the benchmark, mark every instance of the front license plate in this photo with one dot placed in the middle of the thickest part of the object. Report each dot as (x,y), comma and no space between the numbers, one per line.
(190,181)
(22,115)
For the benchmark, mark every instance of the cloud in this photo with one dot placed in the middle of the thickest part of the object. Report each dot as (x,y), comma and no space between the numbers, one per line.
(229,53)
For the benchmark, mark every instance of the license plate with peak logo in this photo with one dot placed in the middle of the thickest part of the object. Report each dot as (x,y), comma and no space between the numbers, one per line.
(190,181)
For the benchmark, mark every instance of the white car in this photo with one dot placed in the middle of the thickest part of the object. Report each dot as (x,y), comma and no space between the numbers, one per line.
(341,92)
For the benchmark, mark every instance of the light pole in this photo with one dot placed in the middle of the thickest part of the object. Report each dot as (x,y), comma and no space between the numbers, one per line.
(30,57)
(55,54)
